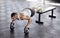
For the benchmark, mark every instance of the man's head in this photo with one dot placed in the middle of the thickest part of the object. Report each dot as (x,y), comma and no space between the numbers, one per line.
(14,15)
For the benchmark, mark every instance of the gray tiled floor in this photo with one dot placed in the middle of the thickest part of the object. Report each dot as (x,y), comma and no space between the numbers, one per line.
(50,28)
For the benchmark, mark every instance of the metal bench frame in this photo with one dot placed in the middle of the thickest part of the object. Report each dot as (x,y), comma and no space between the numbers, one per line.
(39,16)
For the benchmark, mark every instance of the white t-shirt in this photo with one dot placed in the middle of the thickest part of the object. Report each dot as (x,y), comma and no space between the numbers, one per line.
(26,12)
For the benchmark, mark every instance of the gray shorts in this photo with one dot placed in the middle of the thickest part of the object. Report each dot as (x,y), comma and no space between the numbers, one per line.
(29,12)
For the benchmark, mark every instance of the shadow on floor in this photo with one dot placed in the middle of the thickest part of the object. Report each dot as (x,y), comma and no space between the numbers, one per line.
(12,34)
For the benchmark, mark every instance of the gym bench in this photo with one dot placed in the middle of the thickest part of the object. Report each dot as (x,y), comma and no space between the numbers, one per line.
(45,11)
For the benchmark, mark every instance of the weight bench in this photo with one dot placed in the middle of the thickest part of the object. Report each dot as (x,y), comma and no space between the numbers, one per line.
(44,11)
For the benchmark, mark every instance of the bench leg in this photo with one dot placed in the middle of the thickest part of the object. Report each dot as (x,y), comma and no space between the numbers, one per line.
(52,15)
(39,19)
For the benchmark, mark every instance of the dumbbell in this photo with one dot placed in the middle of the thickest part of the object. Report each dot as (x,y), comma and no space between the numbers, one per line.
(26,31)
(12,26)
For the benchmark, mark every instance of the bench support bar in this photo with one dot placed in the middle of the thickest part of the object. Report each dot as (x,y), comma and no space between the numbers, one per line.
(39,19)
(52,15)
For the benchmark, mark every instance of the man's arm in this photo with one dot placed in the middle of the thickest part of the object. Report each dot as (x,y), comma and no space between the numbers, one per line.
(24,17)
(29,21)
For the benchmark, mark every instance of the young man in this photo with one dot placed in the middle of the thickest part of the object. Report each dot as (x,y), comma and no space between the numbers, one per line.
(24,15)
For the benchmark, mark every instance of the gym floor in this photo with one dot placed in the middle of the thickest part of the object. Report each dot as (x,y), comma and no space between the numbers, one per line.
(50,28)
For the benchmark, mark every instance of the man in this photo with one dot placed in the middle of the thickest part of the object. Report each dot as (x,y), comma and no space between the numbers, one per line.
(24,15)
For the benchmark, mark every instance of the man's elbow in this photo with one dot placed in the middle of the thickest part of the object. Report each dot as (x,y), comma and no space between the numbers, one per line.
(30,20)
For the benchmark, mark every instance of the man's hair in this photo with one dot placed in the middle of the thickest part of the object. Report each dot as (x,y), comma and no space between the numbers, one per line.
(13,14)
